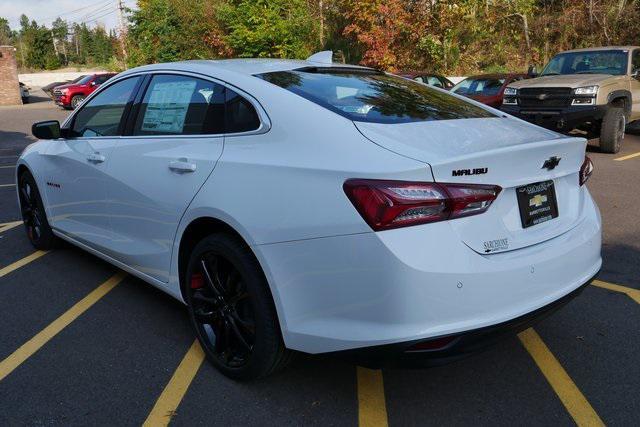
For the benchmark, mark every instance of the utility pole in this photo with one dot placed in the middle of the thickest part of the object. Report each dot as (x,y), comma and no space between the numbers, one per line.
(123,31)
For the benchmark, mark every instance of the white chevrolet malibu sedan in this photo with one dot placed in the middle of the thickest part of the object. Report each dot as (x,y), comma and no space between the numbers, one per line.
(316,207)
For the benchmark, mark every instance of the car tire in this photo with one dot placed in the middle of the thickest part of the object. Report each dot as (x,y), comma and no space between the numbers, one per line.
(33,213)
(612,130)
(232,311)
(76,100)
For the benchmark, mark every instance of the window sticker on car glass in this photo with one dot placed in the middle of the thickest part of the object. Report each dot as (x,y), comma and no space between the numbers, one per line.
(167,106)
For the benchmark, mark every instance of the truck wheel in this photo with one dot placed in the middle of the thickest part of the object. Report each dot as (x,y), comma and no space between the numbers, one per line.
(612,130)
(76,100)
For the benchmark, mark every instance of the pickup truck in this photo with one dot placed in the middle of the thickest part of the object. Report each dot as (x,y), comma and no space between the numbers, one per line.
(596,90)
(69,96)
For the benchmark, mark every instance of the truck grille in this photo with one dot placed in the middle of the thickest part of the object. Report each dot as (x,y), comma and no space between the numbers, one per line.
(547,97)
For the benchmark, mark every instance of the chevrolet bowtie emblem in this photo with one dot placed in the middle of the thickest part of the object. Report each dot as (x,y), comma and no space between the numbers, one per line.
(537,200)
(551,163)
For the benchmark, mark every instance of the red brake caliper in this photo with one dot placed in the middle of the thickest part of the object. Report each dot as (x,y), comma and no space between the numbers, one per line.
(196,281)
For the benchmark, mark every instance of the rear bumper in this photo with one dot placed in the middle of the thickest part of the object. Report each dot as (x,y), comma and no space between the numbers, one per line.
(561,120)
(416,283)
(449,348)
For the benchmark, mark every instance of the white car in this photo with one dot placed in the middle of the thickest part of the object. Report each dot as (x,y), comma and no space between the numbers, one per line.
(317,207)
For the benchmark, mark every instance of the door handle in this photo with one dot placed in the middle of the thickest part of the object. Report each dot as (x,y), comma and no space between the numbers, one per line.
(182,165)
(96,158)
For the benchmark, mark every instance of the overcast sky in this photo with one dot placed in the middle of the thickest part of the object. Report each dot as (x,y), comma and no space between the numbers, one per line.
(46,11)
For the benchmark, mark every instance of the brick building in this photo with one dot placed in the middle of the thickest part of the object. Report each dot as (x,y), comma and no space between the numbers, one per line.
(9,89)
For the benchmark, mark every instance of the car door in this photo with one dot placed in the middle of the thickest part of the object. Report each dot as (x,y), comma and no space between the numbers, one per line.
(635,85)
(76,165)
(176,139)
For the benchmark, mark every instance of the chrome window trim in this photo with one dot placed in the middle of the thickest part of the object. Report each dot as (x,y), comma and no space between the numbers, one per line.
(265,121)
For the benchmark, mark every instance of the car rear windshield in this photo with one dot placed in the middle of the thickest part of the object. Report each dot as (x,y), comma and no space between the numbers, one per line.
(589,62)
(372,96)
(479,86)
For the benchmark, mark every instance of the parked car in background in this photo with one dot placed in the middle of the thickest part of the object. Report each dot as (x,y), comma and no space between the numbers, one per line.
(435,80)
(487,88)
(48,89)
(69,96)
(317,207)
(24,93)
(595,90)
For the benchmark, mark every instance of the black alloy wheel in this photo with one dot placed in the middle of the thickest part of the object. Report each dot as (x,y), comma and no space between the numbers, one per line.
(223,315)
(33,216)
(232,310)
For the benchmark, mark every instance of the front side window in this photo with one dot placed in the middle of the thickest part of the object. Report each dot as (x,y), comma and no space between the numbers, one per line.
(612,62)
(102,114)
(372,96)
(101,79)
(479,86)
(181,105)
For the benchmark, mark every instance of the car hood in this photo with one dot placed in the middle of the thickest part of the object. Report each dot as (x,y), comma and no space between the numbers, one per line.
(569,80)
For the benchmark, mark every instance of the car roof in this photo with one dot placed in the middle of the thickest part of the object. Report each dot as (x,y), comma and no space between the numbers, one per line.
(591,49)
(418,73)
(497,76)
(247,67)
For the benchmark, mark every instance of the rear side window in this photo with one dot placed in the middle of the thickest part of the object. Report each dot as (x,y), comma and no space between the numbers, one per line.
(101,115)
(181,105)
(372,96)
(241,116)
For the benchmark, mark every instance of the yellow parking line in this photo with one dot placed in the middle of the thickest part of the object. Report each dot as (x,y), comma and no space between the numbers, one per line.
(633,293)
(7,185)
(372,408)
(630,156)
(572,399)
(9,225)
(165,407)
(9,364)
(24,261)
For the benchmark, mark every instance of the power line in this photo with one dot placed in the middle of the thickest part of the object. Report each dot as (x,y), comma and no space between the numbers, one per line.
(58,15)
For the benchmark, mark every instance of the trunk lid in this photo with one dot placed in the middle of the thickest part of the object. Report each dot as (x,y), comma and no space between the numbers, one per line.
(500,151)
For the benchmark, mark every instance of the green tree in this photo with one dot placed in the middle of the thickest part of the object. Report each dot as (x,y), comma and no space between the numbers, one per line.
(5,32)
(173,30)
(269,28)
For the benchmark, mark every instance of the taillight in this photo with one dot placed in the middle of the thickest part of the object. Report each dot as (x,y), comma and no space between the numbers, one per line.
(586,170)
(392,204)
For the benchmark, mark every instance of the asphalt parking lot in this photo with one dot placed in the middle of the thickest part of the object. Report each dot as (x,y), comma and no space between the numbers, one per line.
(83,344)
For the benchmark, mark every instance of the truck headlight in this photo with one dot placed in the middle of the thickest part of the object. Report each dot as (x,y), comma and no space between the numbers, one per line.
(586,90)
(510,91)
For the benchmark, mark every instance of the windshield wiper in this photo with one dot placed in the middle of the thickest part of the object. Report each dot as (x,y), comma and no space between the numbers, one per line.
(549,74)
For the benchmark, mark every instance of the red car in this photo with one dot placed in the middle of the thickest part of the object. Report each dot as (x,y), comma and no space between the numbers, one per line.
(69,96)
(488,88)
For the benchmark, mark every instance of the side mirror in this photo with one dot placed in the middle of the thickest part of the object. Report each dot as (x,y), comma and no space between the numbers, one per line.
(46,130)
(532,71)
